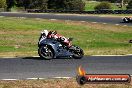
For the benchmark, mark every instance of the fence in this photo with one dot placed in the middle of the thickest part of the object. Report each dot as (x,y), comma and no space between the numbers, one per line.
(83,12)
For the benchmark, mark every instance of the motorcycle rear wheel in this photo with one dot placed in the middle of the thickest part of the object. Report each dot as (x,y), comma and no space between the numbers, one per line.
(45,52)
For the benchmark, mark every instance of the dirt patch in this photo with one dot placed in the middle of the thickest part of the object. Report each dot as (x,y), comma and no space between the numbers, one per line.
(56,83)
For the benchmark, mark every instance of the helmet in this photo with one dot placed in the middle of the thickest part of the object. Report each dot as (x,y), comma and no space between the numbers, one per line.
(44,32)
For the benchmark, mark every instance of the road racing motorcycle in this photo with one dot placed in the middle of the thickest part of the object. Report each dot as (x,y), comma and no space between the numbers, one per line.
(49,48)
(127,19)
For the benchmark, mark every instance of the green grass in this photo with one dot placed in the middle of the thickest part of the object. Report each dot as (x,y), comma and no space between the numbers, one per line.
(90,6)
(21,35)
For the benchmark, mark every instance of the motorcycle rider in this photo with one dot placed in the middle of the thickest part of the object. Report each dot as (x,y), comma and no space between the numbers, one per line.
(60,38)
(43,35)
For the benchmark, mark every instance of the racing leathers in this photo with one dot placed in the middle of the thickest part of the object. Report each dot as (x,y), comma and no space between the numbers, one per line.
(60,38)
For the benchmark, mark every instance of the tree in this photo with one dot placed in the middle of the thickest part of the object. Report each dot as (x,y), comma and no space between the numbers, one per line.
(126,1)
(2,3)
(66,4)
(103,6)
(23,3)
(39,4)
(74,5)
(19,3)
(26,3)
(10,4)
(43,4)
(129,6)
(112,1)
(55,4)
(121,3)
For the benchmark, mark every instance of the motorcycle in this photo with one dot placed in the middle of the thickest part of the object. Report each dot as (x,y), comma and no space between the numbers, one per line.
(49,48)
(127,19)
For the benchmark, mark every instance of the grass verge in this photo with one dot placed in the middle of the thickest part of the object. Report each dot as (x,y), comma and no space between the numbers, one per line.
(56,83)
(19,36)
(91,4)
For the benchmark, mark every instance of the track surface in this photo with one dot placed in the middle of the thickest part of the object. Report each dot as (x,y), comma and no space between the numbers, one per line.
(109,20)
(34,67)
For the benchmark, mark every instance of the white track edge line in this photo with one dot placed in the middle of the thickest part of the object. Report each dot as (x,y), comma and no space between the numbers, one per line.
(62,77)
(88,55)
(9,79)
(113,55)
(34,78)
(52,19)
(40,78)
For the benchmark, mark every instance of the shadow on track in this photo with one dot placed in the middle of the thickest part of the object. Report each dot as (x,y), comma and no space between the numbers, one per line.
(38,58)
(125,22)
(33,58)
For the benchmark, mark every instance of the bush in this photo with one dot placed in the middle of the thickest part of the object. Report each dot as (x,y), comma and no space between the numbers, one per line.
(103,6)
(66,4)
(129,6)
(2,3)
(74,5)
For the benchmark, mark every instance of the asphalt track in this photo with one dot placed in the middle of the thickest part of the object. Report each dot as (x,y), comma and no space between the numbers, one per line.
(104,20)
(34,67)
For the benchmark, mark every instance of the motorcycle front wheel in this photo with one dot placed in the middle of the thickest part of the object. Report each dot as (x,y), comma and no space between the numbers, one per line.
(77,52)
(45,52)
